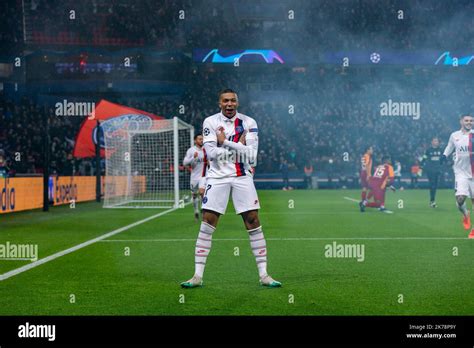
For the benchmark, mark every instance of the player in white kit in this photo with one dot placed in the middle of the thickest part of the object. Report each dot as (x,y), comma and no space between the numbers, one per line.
(231,147)
(195,159)
(461,142)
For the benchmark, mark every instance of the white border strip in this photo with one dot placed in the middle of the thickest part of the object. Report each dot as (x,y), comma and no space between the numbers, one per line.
(284,239)
(79,246)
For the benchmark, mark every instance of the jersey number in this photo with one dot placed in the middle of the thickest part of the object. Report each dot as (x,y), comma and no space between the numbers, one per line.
(207,189)
(379,172)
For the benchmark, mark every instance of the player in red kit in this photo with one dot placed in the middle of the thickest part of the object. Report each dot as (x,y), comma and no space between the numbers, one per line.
(366,171)
(383,177)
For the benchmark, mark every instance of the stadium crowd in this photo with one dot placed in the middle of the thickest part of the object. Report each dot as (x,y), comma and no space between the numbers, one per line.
(335,118)
(330,25)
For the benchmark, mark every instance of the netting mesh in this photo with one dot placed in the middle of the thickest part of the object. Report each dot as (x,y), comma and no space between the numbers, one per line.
(140,166)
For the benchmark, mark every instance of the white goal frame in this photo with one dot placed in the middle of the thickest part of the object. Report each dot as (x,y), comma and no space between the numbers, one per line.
(119,189)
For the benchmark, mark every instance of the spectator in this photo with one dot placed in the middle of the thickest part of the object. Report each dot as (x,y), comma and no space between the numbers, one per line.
(415,173)
(3,165)
(308,173)
(397,170)
(285,174)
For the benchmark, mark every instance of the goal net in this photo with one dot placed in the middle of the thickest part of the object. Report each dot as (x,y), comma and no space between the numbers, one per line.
(143,165)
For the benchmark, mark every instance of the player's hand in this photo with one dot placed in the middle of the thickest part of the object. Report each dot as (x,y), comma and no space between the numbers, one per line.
(220,135)
(201,191)
(242,138)
(195,154)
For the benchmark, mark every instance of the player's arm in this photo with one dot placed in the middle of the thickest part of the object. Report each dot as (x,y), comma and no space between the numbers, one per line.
(448,150)
(210,142)
(189,158)
(369,168)
(423,159)
(250,148)
(391,178)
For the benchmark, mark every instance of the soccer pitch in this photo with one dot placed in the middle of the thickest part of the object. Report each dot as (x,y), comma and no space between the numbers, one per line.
(416,261)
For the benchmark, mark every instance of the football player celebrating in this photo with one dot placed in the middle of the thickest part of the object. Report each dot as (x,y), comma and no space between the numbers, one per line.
(383,177)
(195,159)
(230,163)
(461,143)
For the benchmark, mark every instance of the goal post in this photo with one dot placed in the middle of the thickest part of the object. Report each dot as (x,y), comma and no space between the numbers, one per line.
(143,164)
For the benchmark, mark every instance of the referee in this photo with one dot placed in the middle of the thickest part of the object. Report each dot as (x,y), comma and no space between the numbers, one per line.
(431,164)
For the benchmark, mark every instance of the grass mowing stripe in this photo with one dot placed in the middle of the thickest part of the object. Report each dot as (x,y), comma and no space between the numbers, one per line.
(79,246)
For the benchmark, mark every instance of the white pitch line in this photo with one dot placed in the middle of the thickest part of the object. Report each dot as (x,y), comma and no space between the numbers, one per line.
(79,246)
(351,199)
(283,239)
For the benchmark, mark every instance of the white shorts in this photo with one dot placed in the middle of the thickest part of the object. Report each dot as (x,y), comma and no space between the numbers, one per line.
(194,187)
(464,187)
(244,194)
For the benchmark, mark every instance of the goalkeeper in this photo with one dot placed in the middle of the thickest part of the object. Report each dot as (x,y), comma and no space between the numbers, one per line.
(432,165)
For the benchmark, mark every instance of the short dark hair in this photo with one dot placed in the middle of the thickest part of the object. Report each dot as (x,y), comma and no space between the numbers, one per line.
(465,115)
(385,158)
(197,135)
(226,90)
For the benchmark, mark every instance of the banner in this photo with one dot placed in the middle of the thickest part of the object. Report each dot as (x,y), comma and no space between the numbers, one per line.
(18,194)
(65,189)
(82,188)
(113,117)
(21,194)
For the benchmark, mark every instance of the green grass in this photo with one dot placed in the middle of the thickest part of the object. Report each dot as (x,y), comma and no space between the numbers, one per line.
(106,282)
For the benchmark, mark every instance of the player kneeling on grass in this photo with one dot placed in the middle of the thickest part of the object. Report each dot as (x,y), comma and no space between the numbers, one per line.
(383,177)
(231,146)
